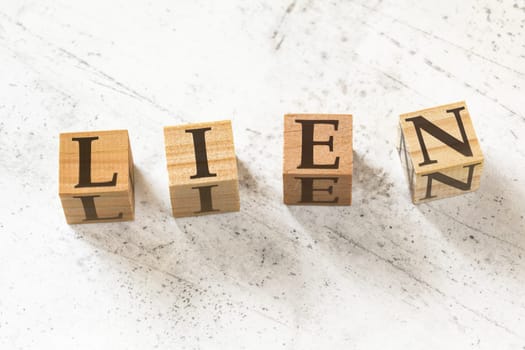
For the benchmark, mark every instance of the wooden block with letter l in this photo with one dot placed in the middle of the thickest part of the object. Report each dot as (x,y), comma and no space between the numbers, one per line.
(202,168)
(96,176)
(317,162)
(440,152)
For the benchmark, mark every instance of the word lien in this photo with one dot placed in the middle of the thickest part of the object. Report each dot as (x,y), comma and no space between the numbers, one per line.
(438,148)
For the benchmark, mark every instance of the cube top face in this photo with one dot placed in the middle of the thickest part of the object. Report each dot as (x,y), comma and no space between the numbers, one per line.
(439,138)
(94,162)
(318,144)
(198,153)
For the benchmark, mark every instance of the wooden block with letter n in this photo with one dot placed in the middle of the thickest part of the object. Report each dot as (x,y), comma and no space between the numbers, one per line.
(317,164)
(202,168)
(96,176)
(440,152)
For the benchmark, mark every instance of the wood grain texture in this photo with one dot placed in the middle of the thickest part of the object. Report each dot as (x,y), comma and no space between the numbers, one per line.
(425,152)
(193,193)
(108,157)
(326,158)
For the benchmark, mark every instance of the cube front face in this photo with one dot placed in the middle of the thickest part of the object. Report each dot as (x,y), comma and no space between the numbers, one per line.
(96,176)
(202,168)
(440,152)
(317,163)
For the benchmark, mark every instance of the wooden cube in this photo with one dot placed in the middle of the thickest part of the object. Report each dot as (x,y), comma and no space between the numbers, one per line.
(96,176)
(202,168)
(440,152)
(317,164)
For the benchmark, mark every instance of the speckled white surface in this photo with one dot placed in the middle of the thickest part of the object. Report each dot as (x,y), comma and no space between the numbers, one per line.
(381,274)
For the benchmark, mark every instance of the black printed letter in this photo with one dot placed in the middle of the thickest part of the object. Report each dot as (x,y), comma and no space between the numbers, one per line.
(307,189)
(205,197)
(462,147)
(88,202)
(447,180)
(84,164)
(308,143)
(201,156)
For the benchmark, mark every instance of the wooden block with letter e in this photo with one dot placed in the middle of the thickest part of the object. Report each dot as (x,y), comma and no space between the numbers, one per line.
(317,164)
(202,168)
(440,152)
(96,176)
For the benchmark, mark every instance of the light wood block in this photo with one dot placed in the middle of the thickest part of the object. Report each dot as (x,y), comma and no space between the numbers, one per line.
(440,152)
(96,176)
(317,164)
(202,168)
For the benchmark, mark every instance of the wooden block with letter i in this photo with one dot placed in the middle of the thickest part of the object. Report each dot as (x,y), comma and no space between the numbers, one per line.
(440,152)
(96,176)
(202,168)
(317,164)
